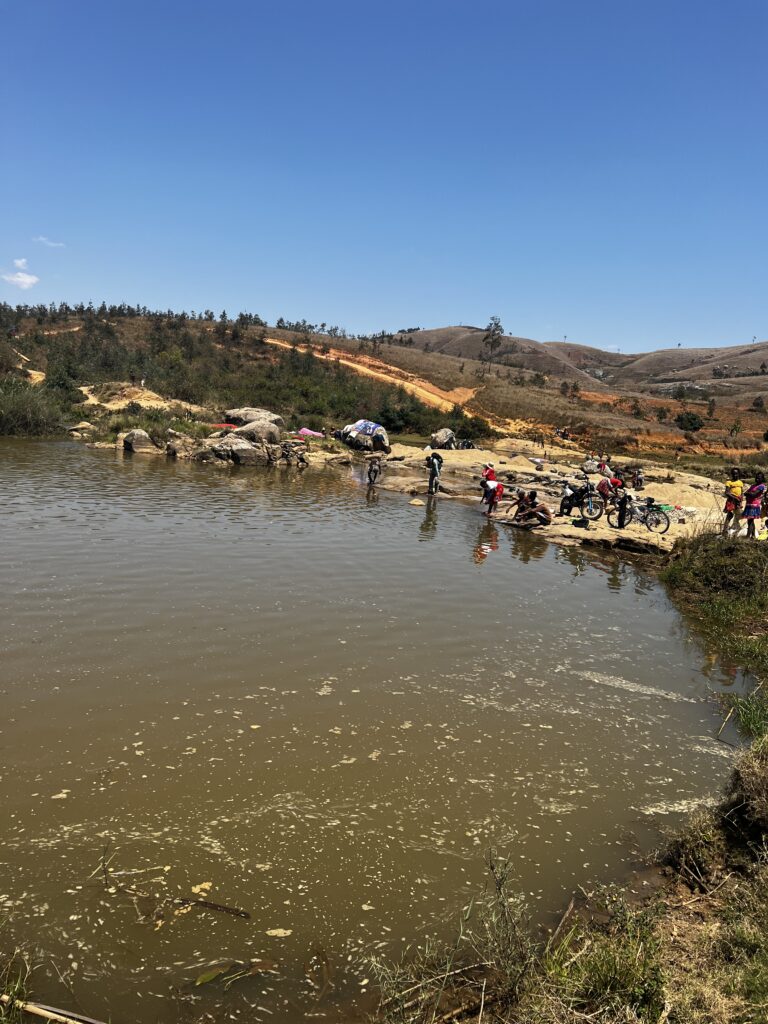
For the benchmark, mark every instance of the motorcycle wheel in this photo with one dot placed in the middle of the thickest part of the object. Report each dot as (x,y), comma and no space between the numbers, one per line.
(592,508)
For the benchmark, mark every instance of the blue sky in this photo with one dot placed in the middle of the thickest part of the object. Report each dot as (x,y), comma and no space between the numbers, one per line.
(594,169)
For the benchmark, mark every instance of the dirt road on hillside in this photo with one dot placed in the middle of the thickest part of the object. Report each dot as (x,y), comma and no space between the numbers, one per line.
(428,393)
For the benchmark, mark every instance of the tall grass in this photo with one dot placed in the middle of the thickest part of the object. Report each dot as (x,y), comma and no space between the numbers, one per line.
(29,410)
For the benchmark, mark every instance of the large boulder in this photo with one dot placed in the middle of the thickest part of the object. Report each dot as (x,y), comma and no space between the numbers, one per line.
(259,455)
(444,438)
(140,442)
(241,417)
(224,447)
(259,430)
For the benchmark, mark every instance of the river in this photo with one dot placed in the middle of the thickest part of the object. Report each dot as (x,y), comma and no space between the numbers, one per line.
(287,694)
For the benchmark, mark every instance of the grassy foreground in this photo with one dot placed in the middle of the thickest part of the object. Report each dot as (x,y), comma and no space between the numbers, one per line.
(696,952)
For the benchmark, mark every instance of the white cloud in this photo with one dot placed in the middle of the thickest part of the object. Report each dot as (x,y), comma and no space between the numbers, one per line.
(48,242)
(20,264)
(21,280)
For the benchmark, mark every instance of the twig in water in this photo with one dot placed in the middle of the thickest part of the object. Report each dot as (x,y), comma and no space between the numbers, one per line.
(112,885)
(46,1012)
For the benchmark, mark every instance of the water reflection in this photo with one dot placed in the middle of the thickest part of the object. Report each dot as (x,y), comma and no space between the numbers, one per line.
(487,541)
(428,526)
(527,544)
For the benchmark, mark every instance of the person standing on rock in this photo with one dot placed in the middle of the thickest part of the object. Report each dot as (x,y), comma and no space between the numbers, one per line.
(753,503)
(734,493)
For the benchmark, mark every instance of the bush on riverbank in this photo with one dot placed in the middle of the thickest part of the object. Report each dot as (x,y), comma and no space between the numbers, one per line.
(156,422)
(26,410)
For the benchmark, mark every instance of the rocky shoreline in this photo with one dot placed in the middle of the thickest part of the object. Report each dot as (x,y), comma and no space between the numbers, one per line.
(257,437)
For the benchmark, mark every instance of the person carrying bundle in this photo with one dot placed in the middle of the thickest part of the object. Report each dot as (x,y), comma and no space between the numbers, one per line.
(434,463)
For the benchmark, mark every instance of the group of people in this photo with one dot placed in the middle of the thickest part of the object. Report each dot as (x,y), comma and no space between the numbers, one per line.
(528,510)
(749,501)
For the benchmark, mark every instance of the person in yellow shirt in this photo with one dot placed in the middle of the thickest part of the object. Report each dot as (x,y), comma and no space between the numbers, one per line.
(734,494)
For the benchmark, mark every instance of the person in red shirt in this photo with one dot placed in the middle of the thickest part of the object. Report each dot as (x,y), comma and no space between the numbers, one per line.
(487,480)
(609,488)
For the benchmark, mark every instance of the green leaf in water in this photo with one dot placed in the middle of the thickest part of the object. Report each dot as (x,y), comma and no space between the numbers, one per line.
(213,974)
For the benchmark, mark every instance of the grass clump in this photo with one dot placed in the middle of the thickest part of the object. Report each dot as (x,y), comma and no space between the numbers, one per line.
(747,792)
(698,850)
(611,972)
(608,972)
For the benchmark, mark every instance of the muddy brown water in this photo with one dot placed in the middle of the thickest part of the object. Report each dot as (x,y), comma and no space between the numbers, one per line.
(322,701)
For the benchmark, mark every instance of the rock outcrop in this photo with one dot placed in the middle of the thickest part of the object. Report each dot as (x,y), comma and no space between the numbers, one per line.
(259,430)
(444,438)
(140,442)
(248,415)
(235,448)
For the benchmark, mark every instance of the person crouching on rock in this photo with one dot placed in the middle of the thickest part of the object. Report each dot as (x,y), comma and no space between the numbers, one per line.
(533,511)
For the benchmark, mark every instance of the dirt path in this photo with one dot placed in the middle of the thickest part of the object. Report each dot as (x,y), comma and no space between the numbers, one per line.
(35,376)
(428,393)
(64,330)
(131,393)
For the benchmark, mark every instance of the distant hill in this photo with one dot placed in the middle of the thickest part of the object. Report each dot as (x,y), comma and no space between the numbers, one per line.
(524,353)
(645,370)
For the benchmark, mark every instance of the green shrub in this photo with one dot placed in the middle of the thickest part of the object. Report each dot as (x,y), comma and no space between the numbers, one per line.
(689,421)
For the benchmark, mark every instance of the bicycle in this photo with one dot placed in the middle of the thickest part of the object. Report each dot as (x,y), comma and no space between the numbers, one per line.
(585,498)
(648,514)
